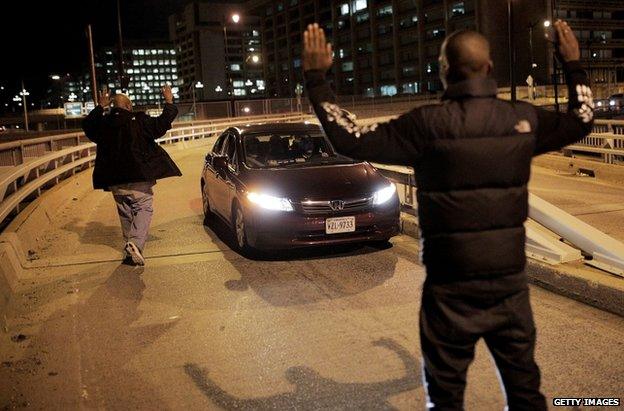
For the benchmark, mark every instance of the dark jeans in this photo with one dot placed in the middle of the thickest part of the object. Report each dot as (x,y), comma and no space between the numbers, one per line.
(454,316)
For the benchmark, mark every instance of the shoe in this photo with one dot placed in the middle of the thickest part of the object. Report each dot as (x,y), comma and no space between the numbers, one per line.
(128,261)
(135,253)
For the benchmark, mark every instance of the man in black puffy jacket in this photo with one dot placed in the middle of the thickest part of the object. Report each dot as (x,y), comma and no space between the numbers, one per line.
(472,156)
(129,162)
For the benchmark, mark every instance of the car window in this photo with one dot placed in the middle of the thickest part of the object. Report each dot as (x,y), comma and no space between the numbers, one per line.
(218,147)
(229,148)
(288,149)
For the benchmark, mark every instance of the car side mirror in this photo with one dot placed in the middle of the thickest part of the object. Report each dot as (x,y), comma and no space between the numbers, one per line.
(220,163)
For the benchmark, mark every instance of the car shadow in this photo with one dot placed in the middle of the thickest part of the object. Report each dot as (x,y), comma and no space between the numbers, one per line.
(313,391)
(298,277)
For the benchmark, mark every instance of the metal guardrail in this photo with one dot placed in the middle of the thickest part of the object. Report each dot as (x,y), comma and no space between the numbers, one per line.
(607,139)
(544,231)
(28,167)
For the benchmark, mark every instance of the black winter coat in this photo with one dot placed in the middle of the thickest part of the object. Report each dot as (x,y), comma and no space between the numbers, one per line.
(472,158)
(126,150)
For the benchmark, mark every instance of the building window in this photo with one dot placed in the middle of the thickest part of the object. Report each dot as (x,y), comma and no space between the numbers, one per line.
(388,90)
(360,18)
(344,9)
(385,11)
(235,67)
(347,66)
(411,88)
(458,8)
(359,5)
(409,71)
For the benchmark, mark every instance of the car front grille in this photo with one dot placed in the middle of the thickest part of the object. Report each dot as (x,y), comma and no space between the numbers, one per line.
(325,207)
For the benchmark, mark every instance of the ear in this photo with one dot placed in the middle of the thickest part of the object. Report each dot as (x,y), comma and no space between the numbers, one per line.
(490,67)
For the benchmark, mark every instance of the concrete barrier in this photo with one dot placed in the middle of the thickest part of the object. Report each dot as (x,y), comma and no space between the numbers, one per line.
(573,280)
(602,171)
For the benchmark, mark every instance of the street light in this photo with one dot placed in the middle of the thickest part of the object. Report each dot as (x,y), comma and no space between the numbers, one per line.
(25,93)
(197,85)
(555,79)
(235,19)
(55,77)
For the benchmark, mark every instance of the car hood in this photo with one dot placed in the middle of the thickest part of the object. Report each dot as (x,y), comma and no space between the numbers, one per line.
(339,181)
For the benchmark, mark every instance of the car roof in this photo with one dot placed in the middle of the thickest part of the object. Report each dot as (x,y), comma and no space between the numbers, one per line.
(278,128)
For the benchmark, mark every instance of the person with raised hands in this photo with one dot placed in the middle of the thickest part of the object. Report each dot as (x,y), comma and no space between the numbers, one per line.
(471,153)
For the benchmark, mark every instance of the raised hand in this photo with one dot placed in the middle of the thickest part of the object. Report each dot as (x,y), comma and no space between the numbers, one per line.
(317,52)
(568,45)
(104,99)
(167,94)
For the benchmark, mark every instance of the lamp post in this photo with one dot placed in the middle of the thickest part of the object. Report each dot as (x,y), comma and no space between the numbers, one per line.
(512,50)
(123,80)
(532,59)
(25,93)
(198,85)
(230,89)
(555,77)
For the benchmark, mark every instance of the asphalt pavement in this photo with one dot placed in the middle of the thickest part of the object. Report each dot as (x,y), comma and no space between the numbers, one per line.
(201,327)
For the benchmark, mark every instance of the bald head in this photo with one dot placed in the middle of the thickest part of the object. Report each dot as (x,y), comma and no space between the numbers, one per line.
(122,101)
(465,54)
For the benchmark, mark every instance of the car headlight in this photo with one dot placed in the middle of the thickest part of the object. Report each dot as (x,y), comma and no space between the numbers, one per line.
(612,103)
(270,202)
(385,194)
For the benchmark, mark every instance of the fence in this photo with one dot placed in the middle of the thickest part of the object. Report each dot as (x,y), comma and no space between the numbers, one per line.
(28,167)
(606,141)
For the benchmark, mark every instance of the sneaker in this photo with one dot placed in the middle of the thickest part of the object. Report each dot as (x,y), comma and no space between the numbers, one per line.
(127,261)
(135,253)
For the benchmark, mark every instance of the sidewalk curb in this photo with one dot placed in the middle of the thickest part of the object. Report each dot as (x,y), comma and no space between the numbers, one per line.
(558,279)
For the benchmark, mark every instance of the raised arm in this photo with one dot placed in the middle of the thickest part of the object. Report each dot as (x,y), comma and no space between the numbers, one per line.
(395,142)
(161,124)
(557,130)
(92,124)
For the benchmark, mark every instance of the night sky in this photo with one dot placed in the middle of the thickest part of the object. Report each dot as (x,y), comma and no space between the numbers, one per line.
(44,37)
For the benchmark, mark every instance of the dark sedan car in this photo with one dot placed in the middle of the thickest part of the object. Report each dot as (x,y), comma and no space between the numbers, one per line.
(283,186)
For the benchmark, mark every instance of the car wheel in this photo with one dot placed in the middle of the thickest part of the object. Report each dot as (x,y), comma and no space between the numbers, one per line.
(381,244)
(208,214)
(240,230)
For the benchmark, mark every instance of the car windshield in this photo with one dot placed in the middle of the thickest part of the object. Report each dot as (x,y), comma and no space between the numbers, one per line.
(289,149)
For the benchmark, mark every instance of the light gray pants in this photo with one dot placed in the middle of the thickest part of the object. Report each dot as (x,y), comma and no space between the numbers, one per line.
(134,205)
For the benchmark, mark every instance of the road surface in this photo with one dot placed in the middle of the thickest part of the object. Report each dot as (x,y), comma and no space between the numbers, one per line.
(201,327)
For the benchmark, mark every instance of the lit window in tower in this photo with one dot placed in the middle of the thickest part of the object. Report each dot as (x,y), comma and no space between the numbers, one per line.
(359,5)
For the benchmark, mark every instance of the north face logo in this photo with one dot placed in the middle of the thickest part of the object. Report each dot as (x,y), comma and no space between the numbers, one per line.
(523,126)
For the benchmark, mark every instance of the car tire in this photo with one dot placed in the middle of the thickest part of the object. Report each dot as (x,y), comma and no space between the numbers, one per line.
(240,231)
(381,244)
(208,214)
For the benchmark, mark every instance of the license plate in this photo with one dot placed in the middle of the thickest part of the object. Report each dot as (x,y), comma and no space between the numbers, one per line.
(340,225)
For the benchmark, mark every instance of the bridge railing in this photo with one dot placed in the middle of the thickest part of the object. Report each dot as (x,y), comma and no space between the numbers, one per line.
(606,140)
(28,167)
